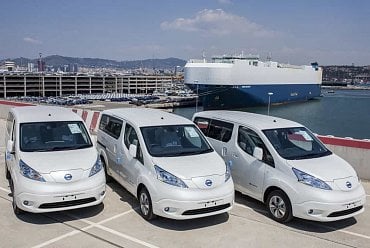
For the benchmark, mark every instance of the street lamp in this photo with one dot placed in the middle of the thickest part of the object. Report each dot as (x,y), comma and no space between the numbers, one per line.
(268,106)
(196,99)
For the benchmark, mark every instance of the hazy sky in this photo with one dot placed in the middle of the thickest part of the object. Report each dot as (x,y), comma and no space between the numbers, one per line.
(292,31)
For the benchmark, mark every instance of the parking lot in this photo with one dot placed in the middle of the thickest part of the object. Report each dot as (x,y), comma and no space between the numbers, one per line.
(117,223)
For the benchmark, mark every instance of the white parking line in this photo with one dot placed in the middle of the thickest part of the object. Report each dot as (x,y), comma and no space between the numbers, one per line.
(345,231)
(125,236)
(323,226)
(83,229)
(6,190)
(254,209)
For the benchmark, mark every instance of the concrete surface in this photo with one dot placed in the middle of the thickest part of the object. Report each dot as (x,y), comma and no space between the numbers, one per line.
(117,223)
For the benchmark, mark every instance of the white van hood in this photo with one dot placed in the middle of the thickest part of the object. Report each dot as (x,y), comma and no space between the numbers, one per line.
(187,167)
(46,162)
(328,168)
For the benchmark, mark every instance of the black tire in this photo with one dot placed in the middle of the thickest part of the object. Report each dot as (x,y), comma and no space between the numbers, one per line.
(145,204)
(279,206)
(16,209)
(108,179)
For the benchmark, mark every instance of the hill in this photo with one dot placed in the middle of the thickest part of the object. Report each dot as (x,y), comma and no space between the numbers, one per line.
(59,61)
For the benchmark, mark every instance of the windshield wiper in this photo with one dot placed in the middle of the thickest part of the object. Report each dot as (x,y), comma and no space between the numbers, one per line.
(311,155)
(61,148)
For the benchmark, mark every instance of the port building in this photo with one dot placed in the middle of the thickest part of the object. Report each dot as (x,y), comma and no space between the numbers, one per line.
(41,84)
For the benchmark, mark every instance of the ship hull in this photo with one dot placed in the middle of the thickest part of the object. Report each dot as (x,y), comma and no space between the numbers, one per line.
(241,96)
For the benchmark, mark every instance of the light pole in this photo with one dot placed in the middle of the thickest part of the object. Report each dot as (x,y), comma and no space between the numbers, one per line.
(196,99)
(268,106)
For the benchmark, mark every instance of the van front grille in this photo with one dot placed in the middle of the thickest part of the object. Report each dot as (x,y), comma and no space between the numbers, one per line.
(67,203)
(345,212)
(206,210)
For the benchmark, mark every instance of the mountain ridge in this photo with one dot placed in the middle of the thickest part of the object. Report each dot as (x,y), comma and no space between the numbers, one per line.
(58,61)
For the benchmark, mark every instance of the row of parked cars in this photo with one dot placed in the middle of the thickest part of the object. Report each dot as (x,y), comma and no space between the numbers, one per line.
(54,100)
(175,167)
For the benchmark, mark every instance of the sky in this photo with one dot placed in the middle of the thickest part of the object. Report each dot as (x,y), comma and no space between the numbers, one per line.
(330,32)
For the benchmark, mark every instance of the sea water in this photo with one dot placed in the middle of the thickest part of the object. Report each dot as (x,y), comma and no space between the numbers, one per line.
(342,113)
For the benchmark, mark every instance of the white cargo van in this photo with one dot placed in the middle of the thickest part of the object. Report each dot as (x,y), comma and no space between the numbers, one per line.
(51,162)
(284,165)
(166,162)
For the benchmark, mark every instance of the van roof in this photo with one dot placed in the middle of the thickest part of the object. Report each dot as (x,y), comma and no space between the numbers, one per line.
(143,117)
(259,121)
(44,113)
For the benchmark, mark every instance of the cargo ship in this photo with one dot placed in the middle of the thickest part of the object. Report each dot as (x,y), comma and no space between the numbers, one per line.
(230,82)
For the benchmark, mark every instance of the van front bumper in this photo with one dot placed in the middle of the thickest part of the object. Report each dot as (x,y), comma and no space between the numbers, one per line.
(330,211)
(39,197)
(195,203)
(38,203)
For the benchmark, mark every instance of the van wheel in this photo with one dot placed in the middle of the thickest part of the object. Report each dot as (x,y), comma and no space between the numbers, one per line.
(16,209)
(146,208)
(108,178)
(279,206)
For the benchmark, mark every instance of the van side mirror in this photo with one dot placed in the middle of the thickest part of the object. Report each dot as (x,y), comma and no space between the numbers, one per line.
(10,146)
(258,153)
(133,150)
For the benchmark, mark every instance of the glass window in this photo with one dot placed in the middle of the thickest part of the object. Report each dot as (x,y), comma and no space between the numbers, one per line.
(248,140)
(131,138)
(202,124)
(110,125)
(220,130)
(174,140)
(296,143)
(53,136)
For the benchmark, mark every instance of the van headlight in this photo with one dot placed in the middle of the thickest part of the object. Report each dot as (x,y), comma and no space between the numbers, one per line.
(30,173)
(167,177)
(96,168)
(310,180)
(227,173)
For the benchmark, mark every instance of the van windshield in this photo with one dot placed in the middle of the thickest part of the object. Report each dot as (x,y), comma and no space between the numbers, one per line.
(296,143)
(176,140)
(53,136)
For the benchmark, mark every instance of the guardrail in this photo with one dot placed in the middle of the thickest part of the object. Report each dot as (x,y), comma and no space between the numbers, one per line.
(354,151)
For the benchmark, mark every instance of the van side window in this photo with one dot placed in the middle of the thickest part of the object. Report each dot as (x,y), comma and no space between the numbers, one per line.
(110,125)
(248,140)
(220,130)
(130,137)
(203,124)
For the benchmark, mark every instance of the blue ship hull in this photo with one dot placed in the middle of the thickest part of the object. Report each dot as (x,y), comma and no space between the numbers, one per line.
(241,96)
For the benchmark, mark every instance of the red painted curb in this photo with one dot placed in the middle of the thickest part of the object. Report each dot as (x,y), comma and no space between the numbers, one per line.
(364,144)
(16,104)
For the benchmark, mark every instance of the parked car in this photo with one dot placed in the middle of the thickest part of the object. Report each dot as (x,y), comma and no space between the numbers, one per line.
(51,162)
(165,162)
(282,164)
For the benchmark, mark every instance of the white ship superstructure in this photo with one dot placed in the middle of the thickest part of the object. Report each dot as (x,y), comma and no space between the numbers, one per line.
(238,81)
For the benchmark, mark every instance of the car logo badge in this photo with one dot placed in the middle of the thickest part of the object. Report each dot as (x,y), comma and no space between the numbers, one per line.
(349,184)
(208,183)
(68,177)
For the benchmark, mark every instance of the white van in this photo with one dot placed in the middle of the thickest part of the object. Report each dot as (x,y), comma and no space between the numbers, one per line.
(165,162)
(51,162)
(284,165)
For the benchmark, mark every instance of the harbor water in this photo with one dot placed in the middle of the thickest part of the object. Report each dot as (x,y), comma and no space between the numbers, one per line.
(342,113)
